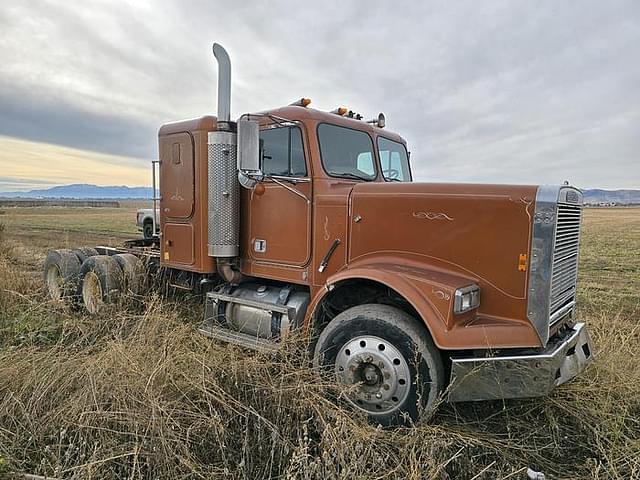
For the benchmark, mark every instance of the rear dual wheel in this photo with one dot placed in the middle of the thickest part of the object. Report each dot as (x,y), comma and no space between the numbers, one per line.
(61,274)
(102,282)
(106,279)
(83,276)
(135,278)
(386,360)
(85,252)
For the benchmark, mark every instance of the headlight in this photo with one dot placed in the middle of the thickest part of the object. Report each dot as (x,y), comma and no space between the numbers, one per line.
(466,298)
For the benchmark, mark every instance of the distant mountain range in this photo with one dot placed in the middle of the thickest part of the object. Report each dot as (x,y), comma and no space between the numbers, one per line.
(623,197)
(86,191)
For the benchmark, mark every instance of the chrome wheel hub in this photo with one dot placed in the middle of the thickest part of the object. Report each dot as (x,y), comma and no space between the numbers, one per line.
(379,370)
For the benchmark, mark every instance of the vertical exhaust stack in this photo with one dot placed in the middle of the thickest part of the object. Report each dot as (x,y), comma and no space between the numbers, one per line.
(224,188)
(224,83)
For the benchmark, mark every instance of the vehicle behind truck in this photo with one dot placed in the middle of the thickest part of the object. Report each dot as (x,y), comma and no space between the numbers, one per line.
(300,220)
(147,221)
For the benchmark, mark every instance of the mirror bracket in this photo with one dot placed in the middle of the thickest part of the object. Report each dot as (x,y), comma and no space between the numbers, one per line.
(249,180)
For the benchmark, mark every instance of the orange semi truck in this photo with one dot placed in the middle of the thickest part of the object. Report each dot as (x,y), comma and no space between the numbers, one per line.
(296,219)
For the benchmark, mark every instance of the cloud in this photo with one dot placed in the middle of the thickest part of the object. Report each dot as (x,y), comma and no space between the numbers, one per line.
(499,91)
(28,165)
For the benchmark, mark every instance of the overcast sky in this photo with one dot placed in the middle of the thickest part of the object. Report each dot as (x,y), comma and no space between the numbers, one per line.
(491,91)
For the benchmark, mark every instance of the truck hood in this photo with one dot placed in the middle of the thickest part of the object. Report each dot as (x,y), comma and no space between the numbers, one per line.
(481,232)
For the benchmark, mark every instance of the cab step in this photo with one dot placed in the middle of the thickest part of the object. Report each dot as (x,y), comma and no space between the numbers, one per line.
(238,338)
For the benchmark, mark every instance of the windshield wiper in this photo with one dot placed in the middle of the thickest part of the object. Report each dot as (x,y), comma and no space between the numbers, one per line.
(351,175)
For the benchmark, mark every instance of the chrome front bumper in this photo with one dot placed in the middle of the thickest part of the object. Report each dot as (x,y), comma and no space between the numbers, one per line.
(521,376)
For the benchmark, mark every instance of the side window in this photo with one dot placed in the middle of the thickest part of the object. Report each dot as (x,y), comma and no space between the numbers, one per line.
(364,164)
(282,152)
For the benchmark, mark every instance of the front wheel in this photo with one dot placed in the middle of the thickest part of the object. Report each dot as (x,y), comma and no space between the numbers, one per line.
(387,360)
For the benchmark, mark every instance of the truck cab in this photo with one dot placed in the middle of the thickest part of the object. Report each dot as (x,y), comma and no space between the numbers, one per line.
(332,230)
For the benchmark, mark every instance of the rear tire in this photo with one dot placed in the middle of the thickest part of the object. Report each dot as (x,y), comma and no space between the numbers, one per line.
(133,271)
(85,252)
(102,282)
(390,356)
(61,274)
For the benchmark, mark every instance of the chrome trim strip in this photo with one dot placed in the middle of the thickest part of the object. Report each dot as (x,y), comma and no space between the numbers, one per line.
(287,187)
(541,263)
(556,316)
(521,376)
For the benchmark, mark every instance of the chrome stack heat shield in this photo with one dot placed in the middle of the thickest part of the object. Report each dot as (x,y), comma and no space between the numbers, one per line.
(224,195)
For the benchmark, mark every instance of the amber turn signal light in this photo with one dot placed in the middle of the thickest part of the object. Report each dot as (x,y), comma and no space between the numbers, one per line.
(522,262)
(303,102)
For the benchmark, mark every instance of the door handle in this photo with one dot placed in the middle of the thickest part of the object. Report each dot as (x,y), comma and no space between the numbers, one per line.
(327,257)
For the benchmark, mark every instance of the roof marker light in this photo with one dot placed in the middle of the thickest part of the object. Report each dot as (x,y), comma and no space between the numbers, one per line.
(303,102)
(340,111)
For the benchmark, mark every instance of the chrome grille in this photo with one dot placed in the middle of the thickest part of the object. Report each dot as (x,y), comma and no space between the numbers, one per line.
(565,260)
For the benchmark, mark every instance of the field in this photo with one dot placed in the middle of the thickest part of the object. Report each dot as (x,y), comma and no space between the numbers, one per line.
(137,393)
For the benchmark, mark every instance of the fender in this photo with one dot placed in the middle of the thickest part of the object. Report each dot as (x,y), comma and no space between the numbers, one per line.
(430,292)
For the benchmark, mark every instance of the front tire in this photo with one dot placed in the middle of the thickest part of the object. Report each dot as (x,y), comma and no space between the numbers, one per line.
(389,356)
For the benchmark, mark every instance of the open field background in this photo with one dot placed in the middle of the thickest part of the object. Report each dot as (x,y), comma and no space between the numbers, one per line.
(137,393)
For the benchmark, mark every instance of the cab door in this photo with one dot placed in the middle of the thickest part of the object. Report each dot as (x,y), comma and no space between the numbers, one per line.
(280,215)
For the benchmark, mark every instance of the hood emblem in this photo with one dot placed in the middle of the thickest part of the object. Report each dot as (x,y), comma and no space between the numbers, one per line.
(432,216)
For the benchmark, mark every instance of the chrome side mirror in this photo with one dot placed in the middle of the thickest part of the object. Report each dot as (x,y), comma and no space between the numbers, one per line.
(248,146)
(248,153)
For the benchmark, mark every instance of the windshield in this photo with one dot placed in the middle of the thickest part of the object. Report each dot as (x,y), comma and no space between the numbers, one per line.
(393,160)
(346,152)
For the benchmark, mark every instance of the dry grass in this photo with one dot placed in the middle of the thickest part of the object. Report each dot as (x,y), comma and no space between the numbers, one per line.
(142,395)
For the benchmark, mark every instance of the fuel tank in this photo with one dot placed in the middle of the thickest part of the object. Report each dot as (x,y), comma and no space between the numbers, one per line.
(257,310)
